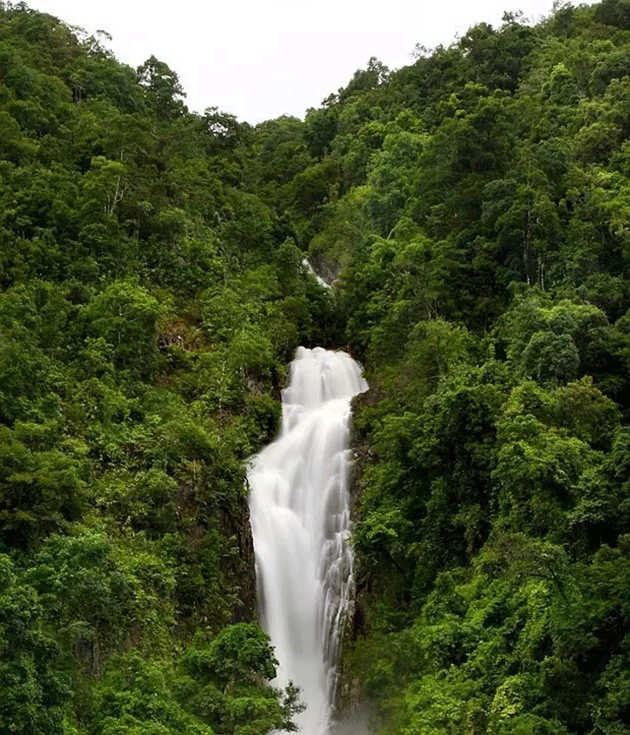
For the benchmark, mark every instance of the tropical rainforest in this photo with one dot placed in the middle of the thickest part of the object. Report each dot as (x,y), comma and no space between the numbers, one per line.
(472,213)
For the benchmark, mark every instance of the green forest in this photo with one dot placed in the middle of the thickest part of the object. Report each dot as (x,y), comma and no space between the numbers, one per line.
(472,211)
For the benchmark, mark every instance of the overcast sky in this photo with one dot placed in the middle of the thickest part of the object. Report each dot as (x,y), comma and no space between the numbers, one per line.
(258,60)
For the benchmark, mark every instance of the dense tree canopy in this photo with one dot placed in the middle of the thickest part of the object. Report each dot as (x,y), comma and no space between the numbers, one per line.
(149,303)
(472,211)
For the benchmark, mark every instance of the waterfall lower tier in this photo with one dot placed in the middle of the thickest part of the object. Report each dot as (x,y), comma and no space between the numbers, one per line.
(301,525)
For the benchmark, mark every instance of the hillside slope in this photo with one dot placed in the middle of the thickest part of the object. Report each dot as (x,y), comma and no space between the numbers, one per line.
(472,209)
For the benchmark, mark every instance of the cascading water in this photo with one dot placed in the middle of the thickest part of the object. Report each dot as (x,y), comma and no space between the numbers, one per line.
(315,275)
(301,524)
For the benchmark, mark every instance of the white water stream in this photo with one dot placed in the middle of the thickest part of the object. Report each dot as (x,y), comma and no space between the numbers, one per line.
(312,271)
(301,524)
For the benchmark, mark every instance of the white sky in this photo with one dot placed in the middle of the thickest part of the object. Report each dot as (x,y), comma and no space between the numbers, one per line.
(259,60)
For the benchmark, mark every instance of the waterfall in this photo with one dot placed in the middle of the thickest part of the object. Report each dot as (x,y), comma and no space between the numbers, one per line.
(301,524)
(312,271)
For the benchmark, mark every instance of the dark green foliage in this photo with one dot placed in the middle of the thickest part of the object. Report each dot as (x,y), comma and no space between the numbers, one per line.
(222,683)
(215,687)
(477,226)
(33,691)
(149,301)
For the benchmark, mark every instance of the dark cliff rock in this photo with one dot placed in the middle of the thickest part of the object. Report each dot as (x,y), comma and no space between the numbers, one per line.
(235,526)
(348,695)
(324,266)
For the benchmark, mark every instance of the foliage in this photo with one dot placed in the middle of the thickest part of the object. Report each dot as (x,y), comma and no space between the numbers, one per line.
(471,213)
(34,692)
(482,269)
(149,301)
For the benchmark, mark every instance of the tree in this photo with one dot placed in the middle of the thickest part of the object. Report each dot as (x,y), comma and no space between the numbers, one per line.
(126,317)
(163,91)
(34,692)
(227,686)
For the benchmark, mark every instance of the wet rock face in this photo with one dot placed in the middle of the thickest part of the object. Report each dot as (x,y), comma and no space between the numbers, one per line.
(235,525)
(350,700)
(360,457)
(359,443)
(324,266)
